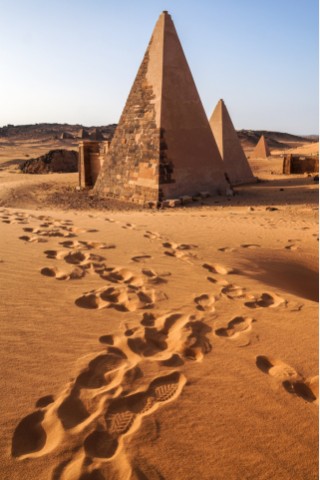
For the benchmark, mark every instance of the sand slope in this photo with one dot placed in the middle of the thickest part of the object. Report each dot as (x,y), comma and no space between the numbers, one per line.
(149,345)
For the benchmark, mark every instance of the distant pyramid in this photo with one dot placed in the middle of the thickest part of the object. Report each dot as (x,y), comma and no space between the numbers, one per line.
(163,146)
(235,161)
(261,150)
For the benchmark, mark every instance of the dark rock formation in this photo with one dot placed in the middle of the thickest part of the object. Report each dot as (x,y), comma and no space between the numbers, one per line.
(59,161)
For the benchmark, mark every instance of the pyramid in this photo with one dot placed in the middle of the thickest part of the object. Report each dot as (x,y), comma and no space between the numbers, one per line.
(163,146)
(235,161)
(261,150)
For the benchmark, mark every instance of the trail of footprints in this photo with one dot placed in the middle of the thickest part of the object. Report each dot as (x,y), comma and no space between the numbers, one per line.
(107,400)
(289,378)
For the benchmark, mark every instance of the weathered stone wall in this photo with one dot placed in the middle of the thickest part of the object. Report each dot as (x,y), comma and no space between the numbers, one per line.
(295,164)
(133,157)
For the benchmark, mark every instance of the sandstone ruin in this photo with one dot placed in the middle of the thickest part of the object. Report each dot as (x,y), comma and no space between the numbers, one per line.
(91,158)
(295,164)
(96,134)
(235,161)
(163,146)
(261,150)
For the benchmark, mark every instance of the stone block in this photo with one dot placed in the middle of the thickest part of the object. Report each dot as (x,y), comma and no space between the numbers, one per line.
(185,199)
(171,203)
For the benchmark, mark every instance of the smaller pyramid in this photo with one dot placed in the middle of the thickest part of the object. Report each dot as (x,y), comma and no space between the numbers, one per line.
(232,154)
(261,150)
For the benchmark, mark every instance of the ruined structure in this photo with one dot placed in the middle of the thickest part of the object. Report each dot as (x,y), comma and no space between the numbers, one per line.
(300,164)
(96,134)
(58,161)
(163,146)
(261,150)
(83,133)
(91,158)
(235,161)
(66,136)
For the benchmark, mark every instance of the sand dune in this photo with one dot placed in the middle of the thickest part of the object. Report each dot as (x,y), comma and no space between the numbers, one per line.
(175,344)
(178,344)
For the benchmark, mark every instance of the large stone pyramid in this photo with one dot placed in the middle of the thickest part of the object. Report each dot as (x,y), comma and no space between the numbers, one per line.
(163,146)
(261,149)
(235,161)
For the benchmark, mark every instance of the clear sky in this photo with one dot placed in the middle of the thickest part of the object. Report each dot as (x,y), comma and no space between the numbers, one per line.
(74,61)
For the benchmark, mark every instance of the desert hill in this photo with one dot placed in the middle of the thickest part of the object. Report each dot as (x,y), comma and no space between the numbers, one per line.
(54,130)
(23,142)
(278,140)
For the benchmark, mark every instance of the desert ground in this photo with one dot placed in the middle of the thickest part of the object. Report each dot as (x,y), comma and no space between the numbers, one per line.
(179,344)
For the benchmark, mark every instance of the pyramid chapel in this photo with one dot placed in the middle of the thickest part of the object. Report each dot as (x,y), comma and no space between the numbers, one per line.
(164,146)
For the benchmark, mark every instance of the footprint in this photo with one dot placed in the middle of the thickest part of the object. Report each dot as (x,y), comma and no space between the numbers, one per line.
(179,250)
(276,368)
(301,389)
(27,238)
(267,300)
(75,258)
(154,278)
(129,226)
(78,257)
(86,245)
(218,282)
(196,345)
(100,444)
(141,258)
(290,379)
(29,436)
(124,415)
(56,254)
(233,291)
(44,401)
(235,327)
(53,232)
(122,298)
(226,249)
(122,275)
(291,247)
(152,235)
(205,302)
(218,268)
(75,274)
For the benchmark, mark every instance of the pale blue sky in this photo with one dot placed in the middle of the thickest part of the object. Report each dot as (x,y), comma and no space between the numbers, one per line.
(74,61)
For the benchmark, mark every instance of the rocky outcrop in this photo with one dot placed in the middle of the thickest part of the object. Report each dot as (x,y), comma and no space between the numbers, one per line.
(58,161)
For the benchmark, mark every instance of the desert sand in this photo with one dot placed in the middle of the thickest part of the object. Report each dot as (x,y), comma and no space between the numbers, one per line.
(179,344)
